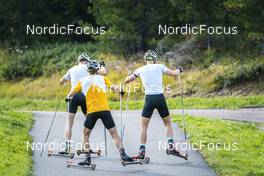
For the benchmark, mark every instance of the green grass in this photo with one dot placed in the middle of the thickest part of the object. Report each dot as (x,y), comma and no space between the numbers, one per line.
(14,128)
(231,102)
(173,103)
(246,161)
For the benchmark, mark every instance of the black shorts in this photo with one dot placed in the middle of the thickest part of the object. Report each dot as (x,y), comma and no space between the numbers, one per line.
(105,116)
(77,100)
(155,101)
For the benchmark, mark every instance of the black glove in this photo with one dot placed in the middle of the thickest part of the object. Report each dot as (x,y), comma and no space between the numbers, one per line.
(67,99)
(102,63)
(180,68)
(122,92)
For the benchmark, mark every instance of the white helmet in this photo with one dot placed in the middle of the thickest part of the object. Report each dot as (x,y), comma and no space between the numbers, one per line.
(83,57)
(93,65)
(151,56)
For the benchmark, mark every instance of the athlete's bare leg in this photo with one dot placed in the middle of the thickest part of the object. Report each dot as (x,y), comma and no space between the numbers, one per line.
(144,122)
(69,124)
(86,137)
(168,127)
(116,138)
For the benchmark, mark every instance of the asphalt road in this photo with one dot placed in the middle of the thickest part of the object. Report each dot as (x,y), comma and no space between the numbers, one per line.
(250,115)
(160,163)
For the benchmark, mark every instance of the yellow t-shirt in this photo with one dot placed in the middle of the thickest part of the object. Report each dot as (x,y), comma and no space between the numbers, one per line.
(94,88)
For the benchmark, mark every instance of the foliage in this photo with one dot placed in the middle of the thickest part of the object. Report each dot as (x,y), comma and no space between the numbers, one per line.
(42,60)
(238,73)
(246,137)
(16,14)
(14,128)
(132,26)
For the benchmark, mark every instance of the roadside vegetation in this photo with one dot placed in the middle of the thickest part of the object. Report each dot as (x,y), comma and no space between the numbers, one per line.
(35,72)
(14,128)
(247,138)
(173,103)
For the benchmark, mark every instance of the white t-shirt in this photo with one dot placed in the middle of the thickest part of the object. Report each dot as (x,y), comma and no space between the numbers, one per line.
(76,73)
(151,78)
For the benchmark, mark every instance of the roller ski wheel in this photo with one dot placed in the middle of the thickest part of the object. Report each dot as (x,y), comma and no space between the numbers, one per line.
(97,152)
(176,153)
(93,166)
(72,164)
(147,159)
(79,152)
(69,155)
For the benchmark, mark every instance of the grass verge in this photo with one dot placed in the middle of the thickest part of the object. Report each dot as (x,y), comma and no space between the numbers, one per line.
(173,103)
(247,160)
(14,128)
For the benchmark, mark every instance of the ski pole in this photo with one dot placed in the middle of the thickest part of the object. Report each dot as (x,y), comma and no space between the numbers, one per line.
(183,113)
(105,141)
(51,124)
(124,125)
(121,110)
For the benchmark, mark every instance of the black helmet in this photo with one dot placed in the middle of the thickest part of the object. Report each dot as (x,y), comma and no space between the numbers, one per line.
(151,56)
(93,65)
(83,57)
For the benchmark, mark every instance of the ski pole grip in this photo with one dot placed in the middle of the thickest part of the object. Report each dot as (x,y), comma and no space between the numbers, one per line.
(180,69)
(67,99)
(122,92)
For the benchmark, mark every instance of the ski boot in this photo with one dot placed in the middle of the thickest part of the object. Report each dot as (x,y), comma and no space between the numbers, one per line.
(67,149)
(86,162)
(64,153)
(126,160)
(141,157)
(124,156)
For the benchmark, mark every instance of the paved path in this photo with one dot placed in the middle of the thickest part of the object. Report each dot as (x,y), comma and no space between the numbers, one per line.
(160,164)
(253,115)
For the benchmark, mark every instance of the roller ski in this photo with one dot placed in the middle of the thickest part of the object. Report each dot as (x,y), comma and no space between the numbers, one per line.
(61,154)
(141,157)
(126,160)
(86,164)
(97,152)
(176,153)
(72,164)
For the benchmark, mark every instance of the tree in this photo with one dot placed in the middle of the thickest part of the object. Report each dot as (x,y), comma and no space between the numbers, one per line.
(132,24)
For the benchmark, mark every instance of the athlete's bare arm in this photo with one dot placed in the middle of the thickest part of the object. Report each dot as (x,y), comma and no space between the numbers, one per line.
(171,72)
(130,78)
